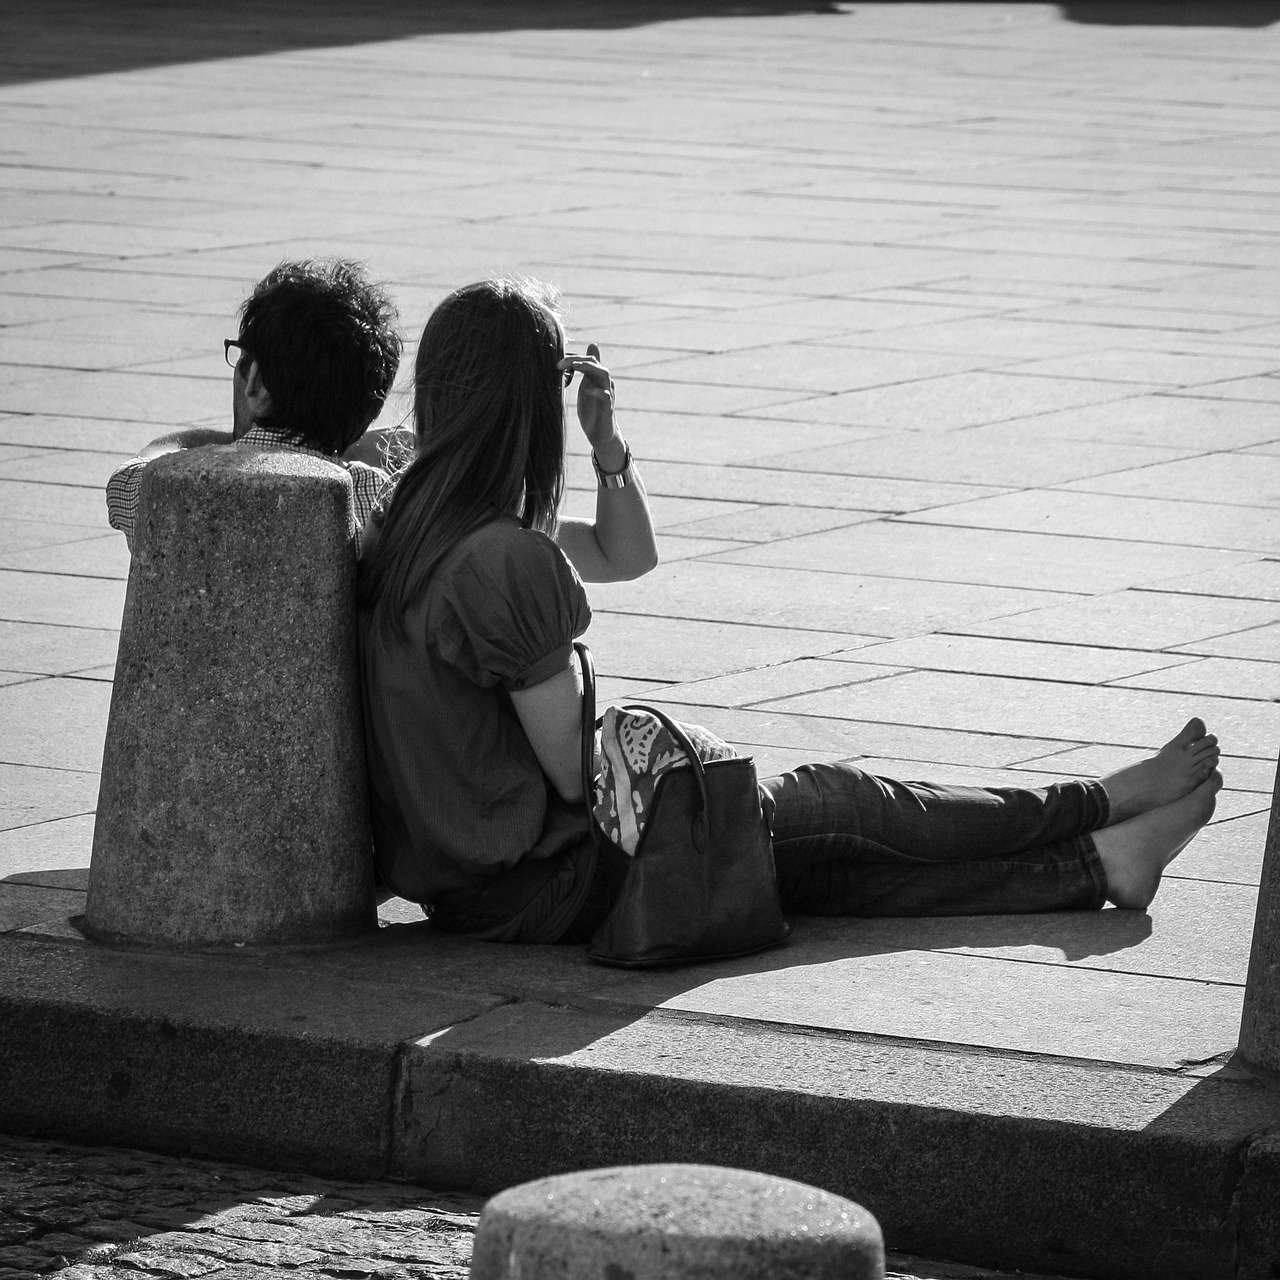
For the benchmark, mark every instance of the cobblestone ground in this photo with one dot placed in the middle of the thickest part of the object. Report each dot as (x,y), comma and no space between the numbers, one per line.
(100,1213)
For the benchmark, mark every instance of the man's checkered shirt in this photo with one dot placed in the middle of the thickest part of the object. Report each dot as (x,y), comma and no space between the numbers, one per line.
(367,483)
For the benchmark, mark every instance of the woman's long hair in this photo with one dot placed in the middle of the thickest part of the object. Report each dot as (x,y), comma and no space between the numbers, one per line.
(488,411)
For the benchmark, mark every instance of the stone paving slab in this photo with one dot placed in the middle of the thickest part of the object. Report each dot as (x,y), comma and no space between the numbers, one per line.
(100,556)
(987,556)
(1152,619)
(1255,642)
(1007,454)
(55,722)
(29,795)
(63,843)
(807,598)
(55,650)
(1233,527)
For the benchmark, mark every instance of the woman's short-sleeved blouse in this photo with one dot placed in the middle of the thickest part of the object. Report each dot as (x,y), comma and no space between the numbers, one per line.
(457,792)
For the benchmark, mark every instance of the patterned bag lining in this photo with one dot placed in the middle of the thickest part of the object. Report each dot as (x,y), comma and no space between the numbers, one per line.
(636,749)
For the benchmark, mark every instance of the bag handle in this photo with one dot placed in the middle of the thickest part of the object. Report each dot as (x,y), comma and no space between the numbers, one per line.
(701,820)
(588,724)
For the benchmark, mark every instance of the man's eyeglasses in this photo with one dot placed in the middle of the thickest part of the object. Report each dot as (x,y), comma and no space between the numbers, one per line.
(227,344)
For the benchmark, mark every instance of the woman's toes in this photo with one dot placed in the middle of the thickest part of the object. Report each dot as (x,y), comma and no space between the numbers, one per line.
(1207,794)
(1193,730)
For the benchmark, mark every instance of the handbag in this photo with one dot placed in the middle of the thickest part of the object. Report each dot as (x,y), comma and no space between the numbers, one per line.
(701,883)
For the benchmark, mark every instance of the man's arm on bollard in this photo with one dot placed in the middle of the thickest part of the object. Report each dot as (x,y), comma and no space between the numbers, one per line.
(125,483)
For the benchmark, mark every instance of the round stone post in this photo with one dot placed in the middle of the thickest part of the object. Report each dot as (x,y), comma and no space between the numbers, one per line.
(233,806)
(1260,1023)
(672,1221)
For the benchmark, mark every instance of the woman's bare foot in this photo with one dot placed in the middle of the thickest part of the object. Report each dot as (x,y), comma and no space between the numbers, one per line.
(1135,853)
(1180,766)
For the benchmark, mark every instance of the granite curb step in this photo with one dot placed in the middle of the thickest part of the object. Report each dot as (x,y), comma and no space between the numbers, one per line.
(1004,1159)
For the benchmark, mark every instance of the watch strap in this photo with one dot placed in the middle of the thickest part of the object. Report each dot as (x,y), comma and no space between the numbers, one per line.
(614,479)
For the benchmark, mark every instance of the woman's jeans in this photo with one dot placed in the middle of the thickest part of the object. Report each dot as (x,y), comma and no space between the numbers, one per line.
(849,843)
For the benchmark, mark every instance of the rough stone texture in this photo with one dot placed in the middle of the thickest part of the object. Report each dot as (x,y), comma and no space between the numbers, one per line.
(472,1066)
(1259,1252)
(100,1213)
(1015,1162)
(1260,1021)
(233,805)
(674,1222)
(103,1213)
(228,1055)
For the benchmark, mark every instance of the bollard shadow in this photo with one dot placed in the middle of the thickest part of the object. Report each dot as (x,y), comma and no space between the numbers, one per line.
(59,39)
(30,898)
(1173,13)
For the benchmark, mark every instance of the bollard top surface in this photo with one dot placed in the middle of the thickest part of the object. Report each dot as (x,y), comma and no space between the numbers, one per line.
(687,1200)
(204,505)
(233,463)
(656,1221)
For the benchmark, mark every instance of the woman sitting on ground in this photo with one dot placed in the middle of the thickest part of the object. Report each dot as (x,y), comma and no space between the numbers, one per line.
(470,597)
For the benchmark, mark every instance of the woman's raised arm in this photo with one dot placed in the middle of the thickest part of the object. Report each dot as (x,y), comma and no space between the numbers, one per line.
(618,544)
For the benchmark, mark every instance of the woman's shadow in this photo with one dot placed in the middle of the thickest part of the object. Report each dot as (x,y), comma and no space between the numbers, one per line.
(931,975)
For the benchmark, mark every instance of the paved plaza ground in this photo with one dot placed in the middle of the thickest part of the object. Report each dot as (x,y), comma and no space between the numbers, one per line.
(96,1213)
(947,342)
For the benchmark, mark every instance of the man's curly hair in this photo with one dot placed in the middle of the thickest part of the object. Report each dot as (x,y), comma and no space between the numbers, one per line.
(327,345)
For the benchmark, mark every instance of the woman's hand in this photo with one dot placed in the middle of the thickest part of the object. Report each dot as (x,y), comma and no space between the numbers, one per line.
(618,544)
(595,407)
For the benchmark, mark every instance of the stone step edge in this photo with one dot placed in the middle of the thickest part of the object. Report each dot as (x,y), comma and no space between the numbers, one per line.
(1074,1168)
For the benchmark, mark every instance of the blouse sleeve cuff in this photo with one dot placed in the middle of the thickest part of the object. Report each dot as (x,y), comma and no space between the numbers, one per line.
(546,667)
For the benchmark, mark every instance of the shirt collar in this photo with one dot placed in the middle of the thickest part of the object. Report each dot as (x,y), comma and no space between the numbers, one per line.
(264,439)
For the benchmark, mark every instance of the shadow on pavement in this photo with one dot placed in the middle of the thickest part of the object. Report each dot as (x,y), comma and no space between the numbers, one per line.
(1172,13)
(1076,934)
(58,39)
(560,978)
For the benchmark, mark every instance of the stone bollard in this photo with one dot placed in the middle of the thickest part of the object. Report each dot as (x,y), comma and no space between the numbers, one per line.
(670,1221)
(233,806)
(1260,1023)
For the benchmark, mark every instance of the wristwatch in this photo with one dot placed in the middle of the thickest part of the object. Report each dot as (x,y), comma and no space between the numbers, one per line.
(614,479)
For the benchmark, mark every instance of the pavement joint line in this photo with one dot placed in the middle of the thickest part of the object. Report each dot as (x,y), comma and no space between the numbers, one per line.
(1081,537)
(865,572)
(69,626)
(1096,968)
(835,1035)
(1173,651)
(987,733)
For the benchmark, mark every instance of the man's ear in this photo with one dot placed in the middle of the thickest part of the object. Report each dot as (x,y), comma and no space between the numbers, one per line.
(256,393)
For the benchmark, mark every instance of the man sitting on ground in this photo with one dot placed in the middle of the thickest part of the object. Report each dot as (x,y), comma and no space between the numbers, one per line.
(317,352)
